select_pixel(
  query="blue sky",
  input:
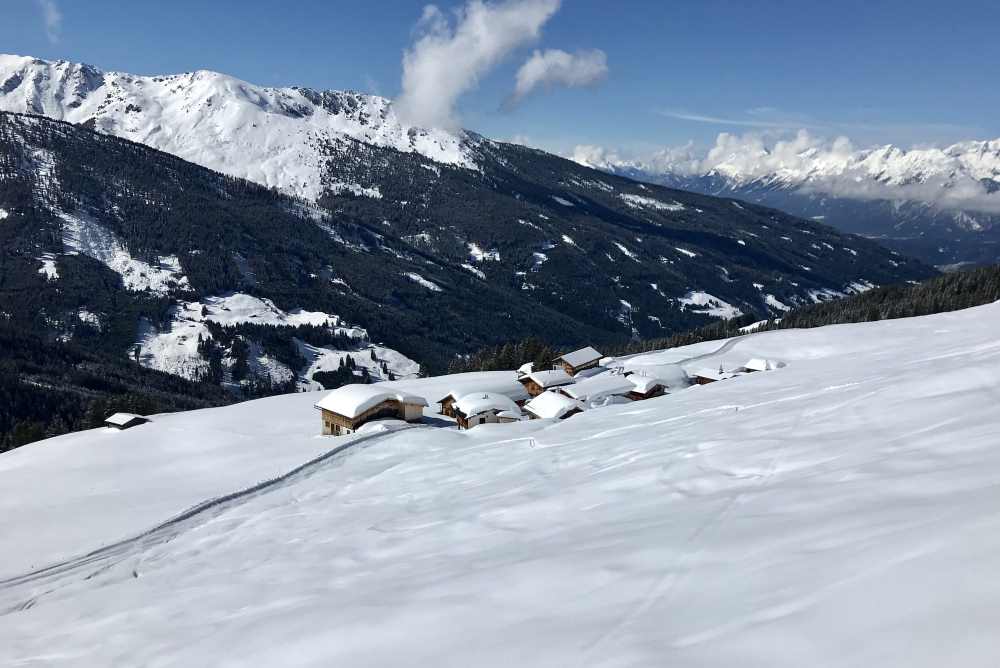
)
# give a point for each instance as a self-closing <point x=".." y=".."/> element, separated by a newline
<point x="906" y="72"/>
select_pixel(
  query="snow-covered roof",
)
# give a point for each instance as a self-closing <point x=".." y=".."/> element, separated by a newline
<point x="481" y="402"/>
<point x="581" y="356"/>
<point x="587" y="373"/>
<point x="550" y="378"/>
<point x="122" y="419"/>
<point x="598" y="387"/>
<point x="672" y="375"/>
<point x="610" y="363"/>
<point x="714" y="374"/>
<point x="353" y="400"/>
<point x="513" y="390"/>
<point x="525" y="368"/>
<point x="511" y="415"/>
<point x="552" y="405"/>
<point x="763" y="364"/>
<point x="644" y="384"/>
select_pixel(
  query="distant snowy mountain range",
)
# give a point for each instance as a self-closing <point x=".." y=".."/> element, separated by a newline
<point x="939" y="204"/>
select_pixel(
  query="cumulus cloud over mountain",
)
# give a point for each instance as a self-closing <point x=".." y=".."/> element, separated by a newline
<point x="449" y="57"/>
<point x="554" y="67"/>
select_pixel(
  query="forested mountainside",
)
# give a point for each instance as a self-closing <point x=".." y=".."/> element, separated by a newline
<point x="50" y="388"/>
<point x="445" y="260"/>
<point x="949" y="292"/>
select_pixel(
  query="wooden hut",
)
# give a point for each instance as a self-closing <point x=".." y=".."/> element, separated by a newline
<point x="706" y="376"/>
<point x="539" y="381"/>
<point x="124" y="421"/>
<point x="347" y="408"/>
<point x="578" y="360"/>
<point x="553" y="405"/>
<point x="645" y="387"/>
<point x="483" y="408"/>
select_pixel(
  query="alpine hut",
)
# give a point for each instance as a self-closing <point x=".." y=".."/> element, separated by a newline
<point x="507" y="386"/>
<point x="537" y="382"/>
<point x="552" y="405"/>
<point x="578" y="360"/>
<point x="124" y="421"/>
<point x="484" y="407"/>
<point x="706" y="376"/>
<point x="348" y="407"/>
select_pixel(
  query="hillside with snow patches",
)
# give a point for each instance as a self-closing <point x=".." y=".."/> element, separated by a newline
<point x="939" y="204"/>
<point x="389" y="228"/>
<point x="838" y="511"/>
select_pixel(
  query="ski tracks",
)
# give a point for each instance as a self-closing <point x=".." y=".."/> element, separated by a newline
<point x="21" y="592"/>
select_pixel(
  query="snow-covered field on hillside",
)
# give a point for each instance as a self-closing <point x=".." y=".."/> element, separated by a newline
<point x="841" y="511"/>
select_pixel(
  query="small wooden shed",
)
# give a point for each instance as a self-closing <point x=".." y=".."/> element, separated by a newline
<point x="124" y="421"/>
<point x="539" y="381"/>
<point x="483" y="408"/>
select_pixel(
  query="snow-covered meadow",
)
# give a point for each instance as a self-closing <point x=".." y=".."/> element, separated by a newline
<point x="840" y="511"/>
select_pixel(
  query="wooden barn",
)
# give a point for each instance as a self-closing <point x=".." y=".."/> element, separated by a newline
<point x="124" y="421"/>
<point x="484" y="407"/>
<point x="578" y="360"/>
<point x="706" y="376"/>
<point x="645" y="387"/>
<point x="537" y="382"/>
<point x="511" y="389"/>
<point x="552" y="405"/>
<point x="347" y="408"/>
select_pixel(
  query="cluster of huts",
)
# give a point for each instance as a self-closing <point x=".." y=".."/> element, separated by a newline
<point x="578" y="381"/>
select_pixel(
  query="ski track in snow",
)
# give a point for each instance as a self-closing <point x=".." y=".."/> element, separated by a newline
<point x="102" y="560"/>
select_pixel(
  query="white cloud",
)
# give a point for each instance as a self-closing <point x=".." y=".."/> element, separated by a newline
<point x="555" y="67"/>
<point x="448" y="58"/>
<point x="52" y="18"/>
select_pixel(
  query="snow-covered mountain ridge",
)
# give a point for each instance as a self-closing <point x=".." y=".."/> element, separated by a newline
<point x="278" y="137"/>
<point x="838" y="511"/>
<point x="833" y="167"/>
<point x="939" y="204"/>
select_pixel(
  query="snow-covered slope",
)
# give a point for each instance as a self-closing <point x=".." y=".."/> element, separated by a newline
<point x="839" y="511"/>
<point x="279" y="137"/>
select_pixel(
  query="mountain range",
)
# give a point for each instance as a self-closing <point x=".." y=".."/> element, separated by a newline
<point x="209" y="227"/>
<point x="941" y="205"/>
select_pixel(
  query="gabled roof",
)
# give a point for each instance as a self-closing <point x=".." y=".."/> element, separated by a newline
<point x="353" y="400"/>
<point x="526" y="368"/>
<point x="644" y="384"/>
<point x="512" y="389"/>
<point x="581" y="356"/>
<point x="551" y="378"/>
<point x="713" y="374"/>
<point x="671" y="375"/>
<point x="600" y="386"/>
<point x="552" y="405"/>
<point x="122" y="419"/>
<point x="481" y="402"/>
